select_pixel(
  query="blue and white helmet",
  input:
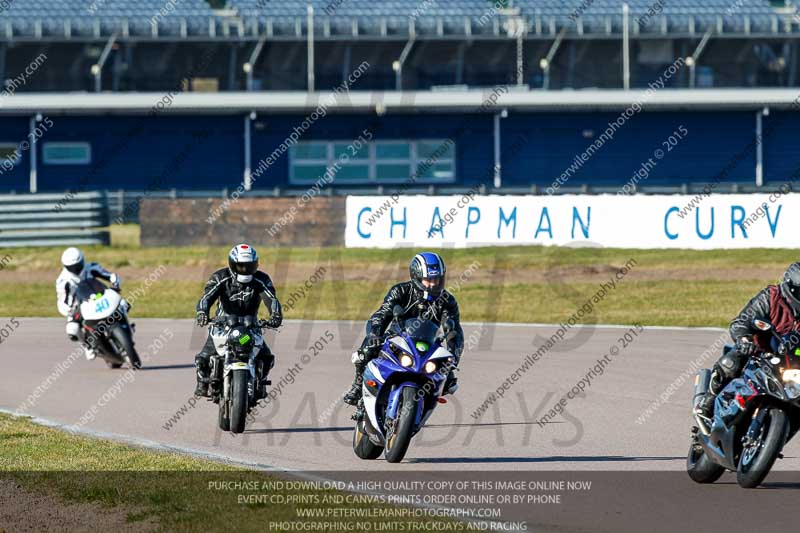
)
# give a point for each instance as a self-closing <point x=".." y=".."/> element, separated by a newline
<point x="243" y="262"/>
<point x="427" y="273"/>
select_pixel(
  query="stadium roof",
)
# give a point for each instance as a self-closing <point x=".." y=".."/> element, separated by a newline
<point x="480" y="101"/>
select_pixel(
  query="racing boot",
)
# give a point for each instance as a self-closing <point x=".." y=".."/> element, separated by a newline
<point x="202" y="379"/>
<point x="705" y="407"/>
<point x="359" y="413"/>
<point x="264" y="381"/>
<point x="450" y="384"/>
<point x="353" y="396"/>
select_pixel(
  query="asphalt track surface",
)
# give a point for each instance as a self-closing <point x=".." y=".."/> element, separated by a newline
<point x="308" y="428"/>
<point x="634" y="460"/>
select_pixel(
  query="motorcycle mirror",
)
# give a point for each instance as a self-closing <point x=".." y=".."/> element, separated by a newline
<point x="397" y="311"/>
<point x="763" y="325"/>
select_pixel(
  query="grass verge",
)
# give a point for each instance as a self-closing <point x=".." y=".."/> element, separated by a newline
<point x="177" y="492"/>
<point x="668" y="303"/>
<point x="508" y="284"/>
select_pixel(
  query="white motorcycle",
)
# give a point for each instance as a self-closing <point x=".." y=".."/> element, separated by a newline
<point x="106" y="328"/>
<point x="234" y="368"/>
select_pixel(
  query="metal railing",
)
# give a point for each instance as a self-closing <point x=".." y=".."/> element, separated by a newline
<point x="31" y="220"/>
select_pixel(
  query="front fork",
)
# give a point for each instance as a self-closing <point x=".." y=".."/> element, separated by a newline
<point x="754" y="430"/>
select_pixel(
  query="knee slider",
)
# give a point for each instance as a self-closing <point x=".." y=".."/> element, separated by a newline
<point x="729" y="365"/>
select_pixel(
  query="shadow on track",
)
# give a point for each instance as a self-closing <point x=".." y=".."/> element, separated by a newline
<point x="299" y="430"/>
<point x="166" y="367"/>
<point x="488" y="424"/>
<point x="551" y="459"/>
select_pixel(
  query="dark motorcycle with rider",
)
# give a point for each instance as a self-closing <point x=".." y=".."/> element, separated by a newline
<point x="748" y="406"/>
<point x="234" y="364"/>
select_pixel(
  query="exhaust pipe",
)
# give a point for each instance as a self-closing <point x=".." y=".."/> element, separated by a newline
<point x="701" y="383"/>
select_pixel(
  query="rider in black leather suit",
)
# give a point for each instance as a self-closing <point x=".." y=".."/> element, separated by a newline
<point x="423" y="296"/>
<point x="239" y="289"/>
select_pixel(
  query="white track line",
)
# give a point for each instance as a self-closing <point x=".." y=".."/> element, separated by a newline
<point x="155" y="446"/>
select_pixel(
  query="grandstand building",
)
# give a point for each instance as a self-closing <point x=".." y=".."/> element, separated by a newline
<point x="540" y="96"/>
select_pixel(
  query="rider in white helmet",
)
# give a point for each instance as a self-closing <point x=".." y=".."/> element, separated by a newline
<point x="75" y="269"/>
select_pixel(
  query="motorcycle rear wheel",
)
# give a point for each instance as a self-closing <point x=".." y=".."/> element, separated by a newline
<point x="757" y="460"/>
<point x="362" y="446"/>
<point x="700" y="468"/>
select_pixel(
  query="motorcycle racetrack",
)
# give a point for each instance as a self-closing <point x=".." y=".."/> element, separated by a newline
<point x="623" y="394"/>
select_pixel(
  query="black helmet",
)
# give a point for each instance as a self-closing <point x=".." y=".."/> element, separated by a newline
<point x="790" y="287"/>
<point x="243" y="262"/>
<point x="430" y="267"/>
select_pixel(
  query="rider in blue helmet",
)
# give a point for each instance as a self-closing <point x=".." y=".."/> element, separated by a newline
<point x="423" y="296"/>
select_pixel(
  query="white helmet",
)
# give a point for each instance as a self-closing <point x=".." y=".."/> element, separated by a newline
<point x="72" y="259"/>
<point x="243" y="262"/>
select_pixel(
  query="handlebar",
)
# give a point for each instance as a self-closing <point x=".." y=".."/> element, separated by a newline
<point x="247" y="321"/>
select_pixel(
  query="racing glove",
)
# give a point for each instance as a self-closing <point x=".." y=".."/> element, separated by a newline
<point x="202" y="318"/>
<point x="116" y="282"/>
<point x="373" y="341"/>
<point x="274" y="321"/>
<point x="746" y="346"/>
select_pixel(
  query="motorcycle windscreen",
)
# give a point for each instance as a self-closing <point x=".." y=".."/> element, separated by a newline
<point x="87" y="287"/>
<point x="421" y="330"/>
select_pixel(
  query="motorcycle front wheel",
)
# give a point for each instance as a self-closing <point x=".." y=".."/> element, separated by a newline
<point x="758" y="457"/>
<point x="239" y="396"/>
<point x="124" y="342"/>
<point x="399" y="437"/>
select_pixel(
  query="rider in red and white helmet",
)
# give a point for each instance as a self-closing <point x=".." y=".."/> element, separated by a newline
<point x="237" y="290"/>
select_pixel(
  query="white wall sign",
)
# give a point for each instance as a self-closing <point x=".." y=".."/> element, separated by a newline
<point x="663" y="221"/>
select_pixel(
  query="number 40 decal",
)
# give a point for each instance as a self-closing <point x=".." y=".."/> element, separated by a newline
<point x="101" y="305"/>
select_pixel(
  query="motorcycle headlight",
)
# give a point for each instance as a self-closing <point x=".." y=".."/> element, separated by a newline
<point x="791" y="375"/>
<point x="430" y="367"/>
<point x="791" y="382"/>
<point x="406" y="360"/>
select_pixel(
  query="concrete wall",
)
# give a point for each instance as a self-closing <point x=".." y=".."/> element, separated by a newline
<point x="185" y="222"/>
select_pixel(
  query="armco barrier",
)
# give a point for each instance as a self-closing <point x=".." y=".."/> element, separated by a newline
<point x="260" y="221"/>
<point x="31" y="220"/>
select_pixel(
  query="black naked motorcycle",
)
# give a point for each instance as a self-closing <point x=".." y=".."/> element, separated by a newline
<point x="755" y="415"/>
<point x="234" y="368"/>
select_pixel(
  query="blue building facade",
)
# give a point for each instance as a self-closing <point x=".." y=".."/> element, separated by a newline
<point x="207" y="152"/>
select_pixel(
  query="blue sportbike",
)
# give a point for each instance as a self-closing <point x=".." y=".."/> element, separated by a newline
<point x="402" y="386"/>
